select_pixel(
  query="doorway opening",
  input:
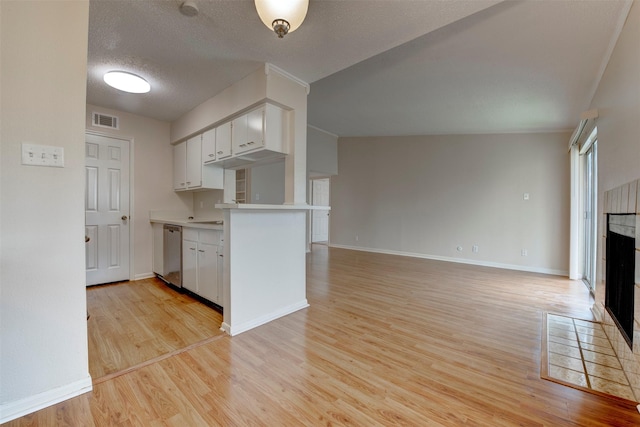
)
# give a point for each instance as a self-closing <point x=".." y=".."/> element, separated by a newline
<point x="320" y="196"/>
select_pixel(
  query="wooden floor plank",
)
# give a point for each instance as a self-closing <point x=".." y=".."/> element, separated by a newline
<point x="132" y="322"/>
<point x="387" y="340"/>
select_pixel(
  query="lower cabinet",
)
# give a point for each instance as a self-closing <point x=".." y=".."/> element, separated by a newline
<point x="200" y="263"/>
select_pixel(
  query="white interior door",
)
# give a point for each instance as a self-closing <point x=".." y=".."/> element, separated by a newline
<point x="107" y="209"/>
<point x="320" y="218"/>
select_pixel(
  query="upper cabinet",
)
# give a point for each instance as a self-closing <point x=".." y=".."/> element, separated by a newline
<point x="209" y="146"/>
<point x="194" y="162"/>
<point x="189" y="171"/>
<point x="180" y="166"/>
<point x="248" y="131"/>
<point x="256" y="137"/>
<point x="223" y="141"/>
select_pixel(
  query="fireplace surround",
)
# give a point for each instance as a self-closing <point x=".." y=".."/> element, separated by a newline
<point x="620" y="269"/>
<point x="622" y="205"/>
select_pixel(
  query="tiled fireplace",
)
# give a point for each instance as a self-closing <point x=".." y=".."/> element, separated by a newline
<point x="622" y="200"/>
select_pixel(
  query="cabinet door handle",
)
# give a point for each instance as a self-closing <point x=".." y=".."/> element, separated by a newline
<point x="219" y="152"/>
<point x="200" y="250"/>
<point x="192" y="249"/>
<point x="251" y="142"/>
<point x="211" y="155"/>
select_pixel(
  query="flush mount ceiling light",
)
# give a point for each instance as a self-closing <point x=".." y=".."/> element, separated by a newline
<point x="126" y="82"/>
<point x="283" y="16"/>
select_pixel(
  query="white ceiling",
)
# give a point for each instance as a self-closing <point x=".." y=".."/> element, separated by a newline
<point x="392" y="67"/>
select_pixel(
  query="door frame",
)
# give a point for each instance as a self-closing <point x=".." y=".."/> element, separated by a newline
<point x="130" y="141"/>
<point x="310" y="212"/>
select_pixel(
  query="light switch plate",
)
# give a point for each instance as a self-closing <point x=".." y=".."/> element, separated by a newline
<point x="42" y="155"/>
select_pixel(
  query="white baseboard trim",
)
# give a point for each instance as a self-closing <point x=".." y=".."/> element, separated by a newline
<point x="457" y="260"/>
<point x="143" y="276"/>
<point x="238" y="329"/>
<point x="12" y="410"/>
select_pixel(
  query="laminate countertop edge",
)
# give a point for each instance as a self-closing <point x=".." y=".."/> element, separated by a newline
<point x="187" y="223"/>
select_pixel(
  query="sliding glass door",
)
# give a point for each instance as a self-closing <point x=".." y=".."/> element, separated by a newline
<point x="590" y="192"/>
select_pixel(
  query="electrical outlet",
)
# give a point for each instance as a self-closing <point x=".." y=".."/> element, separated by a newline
<point x="524" y="252"/>
<point x="525" y="196"/>
<point x="356" y="237"/>
<point x="475" y="249"/>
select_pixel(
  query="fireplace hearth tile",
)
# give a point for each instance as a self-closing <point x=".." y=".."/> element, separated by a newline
<point x="611" y="374"/>
<point x="610" y="387"/>
<point x="566" y="362"/>
<point x="598" y="333"/>
<point x="590" y="339"/>
<point x="604" y="350"/>
<point x="564" y="341"/>
<point x="601" y="358"/>
<point x="564" y="350"/>
<point x="567" y="358"/>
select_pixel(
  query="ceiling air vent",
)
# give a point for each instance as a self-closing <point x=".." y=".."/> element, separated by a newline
<point x="105" y="121"/>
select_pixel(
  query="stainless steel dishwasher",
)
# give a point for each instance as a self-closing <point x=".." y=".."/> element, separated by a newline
<point x="172" y="268"/>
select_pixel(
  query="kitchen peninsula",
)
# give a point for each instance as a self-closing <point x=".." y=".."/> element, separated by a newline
<point x="264" y="266"/>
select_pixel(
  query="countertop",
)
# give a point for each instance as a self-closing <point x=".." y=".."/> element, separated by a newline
<point x="248" y="206"/>
<point x="203" y="224"/>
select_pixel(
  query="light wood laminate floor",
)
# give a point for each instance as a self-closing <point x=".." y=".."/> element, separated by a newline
<point x="386" y="341"/>
<point x="133" y="322"/>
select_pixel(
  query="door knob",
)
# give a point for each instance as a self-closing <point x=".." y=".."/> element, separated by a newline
<point x="124" y="218"/>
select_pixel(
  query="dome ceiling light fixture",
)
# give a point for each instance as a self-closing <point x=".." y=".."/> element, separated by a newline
<point x="283" y="16"/>
<point x="189" y="8"/>
<point x="126" y="82"/>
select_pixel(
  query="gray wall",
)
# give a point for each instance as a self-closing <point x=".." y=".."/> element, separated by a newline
<point x="267" y="184"/>
<point x="427" y="195"/>
<point x="322" y="153"/>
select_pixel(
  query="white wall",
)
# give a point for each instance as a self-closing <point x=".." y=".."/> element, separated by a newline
<point x="618" y="102"/>
<point x="426" y="195"/>
<point x="152" y="183"/>
<point x="43" y="348"/>
<point x="322" y="153"/>
<point x="204" y="204"/>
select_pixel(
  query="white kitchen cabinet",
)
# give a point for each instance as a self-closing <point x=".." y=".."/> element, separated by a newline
<point x="194" y="162"/>
<point x="208" y="271"/>
<point x="209" y="146"/>
<point x="200" y="263"/>
<point x="189" y="172"/>
<point x="180" y="166"/>
<point x="190" y="265"/>
<point x="223" y="141"/>
<point x="249" y="131"/>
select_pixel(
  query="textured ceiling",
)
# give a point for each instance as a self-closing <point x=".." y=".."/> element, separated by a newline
<point x="392" y="67"/>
